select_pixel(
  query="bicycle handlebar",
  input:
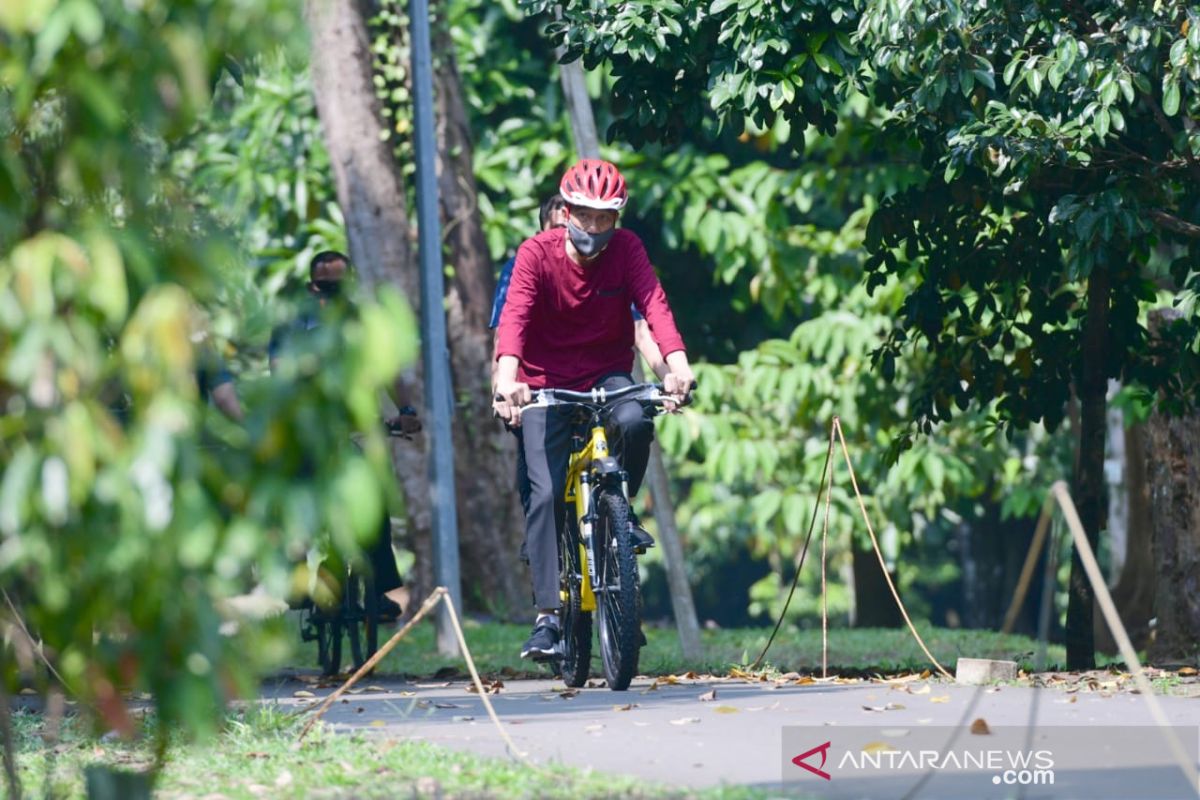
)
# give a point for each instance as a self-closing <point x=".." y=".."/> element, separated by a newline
<point x="644" y="392"/>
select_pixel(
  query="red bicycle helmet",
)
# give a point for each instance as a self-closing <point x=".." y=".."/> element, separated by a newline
<point x="593" y="183"/>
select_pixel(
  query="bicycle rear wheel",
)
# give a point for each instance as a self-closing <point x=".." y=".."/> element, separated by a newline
<point x="360" y="612"/>
<point x="617" y="591"/>
<point x="576" y="624"/>
<point x="329" y="641"/>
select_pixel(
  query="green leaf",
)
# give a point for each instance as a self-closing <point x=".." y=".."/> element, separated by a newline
<point x="1034" y="79"/>
<point x="720" y="5"/>
<point x="1011" y="70"/>
<point x="1179" y="53"/>
<point x="1109" y="93"/>
<point x="1066" y="51"/>
<point x="1055" y="76"/>
<point x="1170" y="104"/>
<point x="1102" y="123"/>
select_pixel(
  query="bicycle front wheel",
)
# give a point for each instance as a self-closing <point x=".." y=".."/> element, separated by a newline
<point x="576" y="623"/>
<point x="618" y="597"/>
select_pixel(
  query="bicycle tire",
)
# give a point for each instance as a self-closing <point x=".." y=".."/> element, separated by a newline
<point x="617" y="592"/>
<point x="576" y="624"/>
<point x="329" y="644"/>
<point x="361" y="614"/>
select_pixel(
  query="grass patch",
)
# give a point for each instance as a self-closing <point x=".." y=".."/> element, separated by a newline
<point x="495" y="648"/>
<point x="255" y="756"/>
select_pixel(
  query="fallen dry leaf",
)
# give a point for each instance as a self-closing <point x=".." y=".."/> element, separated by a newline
<point x="462" y="719"/>
<point x="725" y="710"/>
<point x="302" y="693"/>
<point x="877" y="747"/>
<point x="941" y="698"/>
<point x="567" y="694"/>
<point x="626" y="707"/>
<point x="685" y="721"/>
<point x="804" y="681"/>
<point x="1185" y="671"/>
<point x="447" y="705"/>
<point x="426" y="686"/>
<point x="377" y="723"/>
<point x="888" y="707"/>
<point x="491" y="687"/>
<point x="599" y="684"/>
<point x="258" y="754"/>
<point x="980" y="727"/>
<point x="708" y="696"/>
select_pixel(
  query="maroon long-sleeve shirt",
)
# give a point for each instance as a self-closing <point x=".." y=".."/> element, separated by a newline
<point x="569" y="324"/>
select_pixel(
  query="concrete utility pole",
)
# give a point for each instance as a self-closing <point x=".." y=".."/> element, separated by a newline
<point x="438" y="395"/>
<point x="587" y="145"/>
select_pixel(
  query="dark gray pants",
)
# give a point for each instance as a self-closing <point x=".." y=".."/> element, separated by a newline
<point x="546" y="443"/>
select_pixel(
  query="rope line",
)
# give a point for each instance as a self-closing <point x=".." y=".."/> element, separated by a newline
<point x="803" y="552"/>
<point x="837" y="424"/>
<point x="440" y="594"/>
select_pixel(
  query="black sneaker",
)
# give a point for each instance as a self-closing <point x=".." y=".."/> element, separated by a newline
<point x="543" y="641"/>
<point x="389" y="609"/>
<point x="641" y="537"/>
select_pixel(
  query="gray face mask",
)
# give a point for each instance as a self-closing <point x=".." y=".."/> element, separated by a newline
<point x="589" y="244"/>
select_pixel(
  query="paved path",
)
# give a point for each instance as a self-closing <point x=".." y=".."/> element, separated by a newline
<point x="667" y="733"/>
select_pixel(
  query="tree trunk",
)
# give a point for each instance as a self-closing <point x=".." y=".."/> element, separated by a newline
<point x="1089" y="477"/>
<point x="1173" y="469"/>
<point x="370" y="191"/>
<point x="491" y="525"/>
<point x="874" y="605"/>
<point x="1133" y="593"/>
<point x="371" y="194"/>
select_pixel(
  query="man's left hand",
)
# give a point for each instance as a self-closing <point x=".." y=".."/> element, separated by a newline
<point x="678" y="384"/>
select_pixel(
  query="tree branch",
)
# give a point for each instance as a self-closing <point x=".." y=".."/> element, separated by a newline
<point x="1164" y="125"/>
<point x="1174" y="224"/>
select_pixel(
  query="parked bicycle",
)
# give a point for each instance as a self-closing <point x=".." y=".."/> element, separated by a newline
<point x="356" y="613"/>
<point x="597" y="558"/>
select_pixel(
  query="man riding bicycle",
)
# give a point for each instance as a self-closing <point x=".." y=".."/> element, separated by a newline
<point x="567" y="324"/>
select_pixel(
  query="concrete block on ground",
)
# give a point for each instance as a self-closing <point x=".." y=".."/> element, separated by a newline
<point x="975" y="671"/>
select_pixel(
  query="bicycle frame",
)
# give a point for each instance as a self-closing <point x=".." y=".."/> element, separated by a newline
<point x="579" y="499"/>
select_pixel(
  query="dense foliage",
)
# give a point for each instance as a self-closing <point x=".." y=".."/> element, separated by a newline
<point x="125" y="518"/>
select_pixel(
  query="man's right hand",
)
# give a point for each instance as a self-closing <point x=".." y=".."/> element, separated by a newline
<point x="509" y="396"/>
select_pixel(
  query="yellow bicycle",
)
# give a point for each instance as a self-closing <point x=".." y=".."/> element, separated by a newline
<point x="597" y="560"/>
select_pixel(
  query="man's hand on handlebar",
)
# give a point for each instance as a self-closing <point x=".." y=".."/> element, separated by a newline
<point x="406" y="423"/>
<point x="678" y="384"/>
<point x="507" y="401"/>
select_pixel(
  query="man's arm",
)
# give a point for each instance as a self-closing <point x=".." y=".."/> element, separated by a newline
<point x="651" y="301"/>
<point x="648" y="348"/>
<point x="508" y="392"/>
<point x="225" y="398"/>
